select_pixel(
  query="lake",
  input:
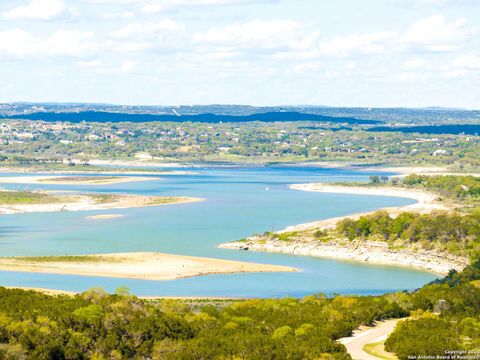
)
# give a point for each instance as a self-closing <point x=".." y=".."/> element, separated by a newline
<point x="237" y="205"/>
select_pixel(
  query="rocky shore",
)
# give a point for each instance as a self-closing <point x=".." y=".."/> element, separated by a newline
<point x="372" y="252"/>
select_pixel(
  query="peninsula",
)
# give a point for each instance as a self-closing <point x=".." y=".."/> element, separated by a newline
<point x="321" y="238"/>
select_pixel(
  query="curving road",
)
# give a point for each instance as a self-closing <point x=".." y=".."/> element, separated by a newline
<point x="367" y="335"/>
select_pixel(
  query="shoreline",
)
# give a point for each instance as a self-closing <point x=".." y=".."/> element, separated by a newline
<point x="89" y="202"/>
<point x="426" y="202"/>
<point x="135" y="265"/>
<point x="368" y="252"/>
<point x="371" y="252"/>
<point x="65" y="180"/>
<point x="93" y="170"/>
<point x="57" y="292"/>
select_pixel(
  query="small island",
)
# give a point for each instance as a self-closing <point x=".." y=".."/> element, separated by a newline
<point x="13" y="202"/>
<point x="74" y="180"/>
<point x="138" y="265"/>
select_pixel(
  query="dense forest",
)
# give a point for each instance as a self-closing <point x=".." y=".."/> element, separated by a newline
<point x="451" y="232"/>
<point x="456" y="232"/>
<point x="95" y="325"/>
<point x="452" y="186"/>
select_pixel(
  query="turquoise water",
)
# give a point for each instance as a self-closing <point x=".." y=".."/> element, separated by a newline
<point x="237" y="205"/>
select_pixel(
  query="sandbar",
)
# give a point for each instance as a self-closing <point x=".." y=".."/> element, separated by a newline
<point x="135" y="265"/>
<point x="87" y="202"/>
<point x="73" y="180"/>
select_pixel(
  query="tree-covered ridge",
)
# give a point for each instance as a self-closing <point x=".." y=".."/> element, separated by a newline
<point x="95" y="325"/>
<point x="99" y="326"/>
<point x="447" y="185"/>
<point x="451" y="232"/>
<point x="116" y="117"/>
<point x="471" y="129"/>
<point x="445" y="316"/>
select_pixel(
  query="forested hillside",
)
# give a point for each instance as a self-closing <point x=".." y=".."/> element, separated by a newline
<point x="94" y="325"/>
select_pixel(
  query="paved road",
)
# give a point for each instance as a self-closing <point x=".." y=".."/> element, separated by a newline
<point x="367" y="335"/>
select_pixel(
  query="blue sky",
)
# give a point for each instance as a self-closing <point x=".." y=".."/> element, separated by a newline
<point x="410" y="53"/>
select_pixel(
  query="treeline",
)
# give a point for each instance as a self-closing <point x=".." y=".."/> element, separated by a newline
<point x="444" y="317"/>
<point x="117" y="117"/>
<point x="446" y="231"/>
<point x="95" y="325"/>
<point x="470" y="129"/>
<point x="447" y="185"/>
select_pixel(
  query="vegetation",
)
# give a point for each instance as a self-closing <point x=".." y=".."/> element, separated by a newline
<point x="462" y="187"/>
<point x="159" y="200"/>
<point x="87" y="179"/>
<point x="378" y="349"/>
<point x="448" y="320"/>
<point x="64" y="258"/>
<point x="35" y="198"/>
<point x="95" y="325"/>
<point x="61" y="145"/>
<point x="26" y="197"/>
<point x="443" y="231"/>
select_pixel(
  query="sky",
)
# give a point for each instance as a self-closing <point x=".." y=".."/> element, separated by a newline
<point x="370" y="53"/>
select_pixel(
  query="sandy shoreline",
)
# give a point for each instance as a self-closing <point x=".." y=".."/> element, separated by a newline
<point x="55" y="292"/>
<point x="74" y="180"/>
<point x="426" y="202"/>
<point x="141" y="265"/>
<point x="376" y="252"/>
<point x="138" y="162"/>
<point x="403" y="171"/>
<point x="90" y="202"/>
<point x="93" y="170"/>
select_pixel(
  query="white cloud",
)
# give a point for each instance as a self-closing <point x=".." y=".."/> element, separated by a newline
<point x="147" y="29"/>
<point x="38" y="10"/>
<point x="18" y="44"/>
<point x="127" y="66"/>
<point x="435" y="33"/>
<point x="118" y="15"/>
<point x="156" y="6"/>
<point x="469" y="61"/>
<point x="68" y="43"/>
<point x="89" y="64"/>
<point x="414" y="64"/>
<point x="307" y="67"/>
<point x="98" y="67"/>
<point x="357" y="44"/>
<point x="273" y="34"/>
<point x="433" y="3"/>
<point x="134" y="47"/>
<point x="138" y="37"/>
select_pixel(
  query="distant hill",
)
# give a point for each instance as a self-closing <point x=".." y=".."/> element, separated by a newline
<point x="115" y="117"/>
<point x="469" y="129"/>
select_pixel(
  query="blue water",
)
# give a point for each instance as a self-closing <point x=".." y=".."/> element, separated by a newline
<point x="237" y="205"/>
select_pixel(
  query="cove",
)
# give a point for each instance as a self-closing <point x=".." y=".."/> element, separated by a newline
<point x="237" y="205"/>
